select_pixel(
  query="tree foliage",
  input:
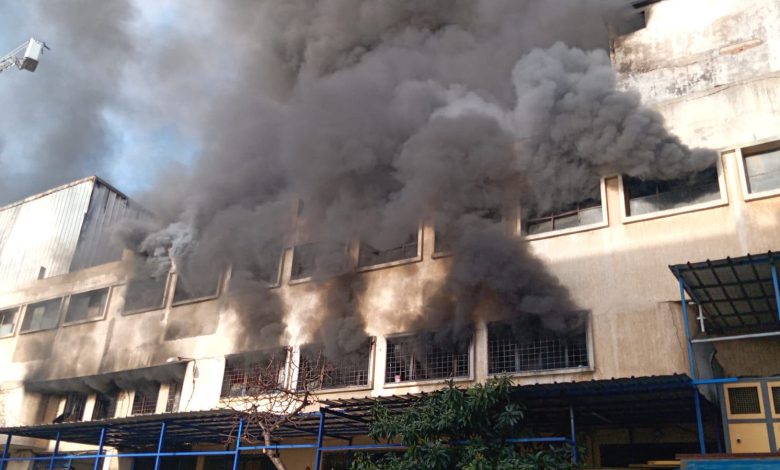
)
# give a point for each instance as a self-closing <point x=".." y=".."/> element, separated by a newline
<point x="457" y="428"/>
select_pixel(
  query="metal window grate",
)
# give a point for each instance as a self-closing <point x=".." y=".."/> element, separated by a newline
<point x="409" y="359"/>
<point x="105" y="406"/>
<point x="145" y="400"/>
<point x="174" y="396"/>
<point x="744" y="400"/>
<point x="317" y="372"/>
<point x="248" y="376"/>
<point x="507" y="355"/>
<point x="776" y="399"/>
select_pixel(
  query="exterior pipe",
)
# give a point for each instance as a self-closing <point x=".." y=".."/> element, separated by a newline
<point x="159" y="446"/>
<point x="54" y="454"/>
<point x="237" y="454"/>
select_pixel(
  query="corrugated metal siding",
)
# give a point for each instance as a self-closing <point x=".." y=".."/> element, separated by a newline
<point x="97" y="243"/>
<point x="42" y="232"/>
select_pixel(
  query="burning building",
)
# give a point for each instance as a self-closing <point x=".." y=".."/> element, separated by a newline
<point x="415" y="219"/>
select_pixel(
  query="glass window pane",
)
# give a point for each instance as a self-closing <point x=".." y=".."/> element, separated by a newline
<point x="763" y="171"/>
<point x="42" y="316"/>
<point x="647" y="196"/>
<point x="585" y="212"/>
<point x="87" y="305"/>
<point x="8" y="321"/>
<point x="194" y="287"/>
<point x="145" y="294"/>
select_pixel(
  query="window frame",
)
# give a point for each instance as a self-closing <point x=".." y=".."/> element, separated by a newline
<point x="27" y="310"/>
<point x="163" y="303"/>
<point x="413" y="383"/>
<point x="218" y="292"/>
<point x="135" y="395"/>
<point x="283" y="373"/>
<point x="297" y="354"/>
<point x="739" y="153"/>
<point x="348" y="264"/>
<point x="103" y="313"/>
<point x="417" y="258"/>
<point x="723" y="200"/>
<point x="16" y="325"/>
<point x="566" y="231"/>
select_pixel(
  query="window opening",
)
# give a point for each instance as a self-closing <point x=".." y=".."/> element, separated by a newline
<point x="145" y="294"/>
<point x="75" y="403"/>
<point x="646" y="196"/>
<point x="744" y="400"/>
<point x="105" y="406"/>
<point x="191" y="288"/>
<point x="304" y="263"/>
<point x="410" y="358"/>
<point x="145" y="400"/>
<point x="776" y="399"/>
<point x="315" y="371"/>
<point x="87" y="305"/>
<point x="444" y="238"/>
<point x="174" y="397"/>
<point x="251" y="375"/>
<point x="579" y="214"/>
<point x="42" y="315"/>
<point x="370" y="256"/>
<point x="545" y="351"/>
<point x="762" y="169"/>
<point x="8" y="321"/>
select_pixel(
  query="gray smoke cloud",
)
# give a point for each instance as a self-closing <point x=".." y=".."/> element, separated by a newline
<point x="376" y="114"/>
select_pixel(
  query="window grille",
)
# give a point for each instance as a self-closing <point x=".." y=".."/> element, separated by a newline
<point x="744" y="400"/>
<point x="762" y="168"/>
<point x="252" y="375"/>
<point x="105" y="406"/>
<point x="317" y="372"/>
<point x="409" y="359"/>
<point x="87" y="305"/>
<point x="145" y="400"/>
<point x="8" y="321"/>
<point x="575" y="215"/>
<point x="174" y="397"/>
<point x="370" y="256"/>
<point x="776" y="399"/>
<point x="145" y="294"/>
<point x="506" y="354"/>
<point x="646" y="196"/>
<point x="42" y="315"/>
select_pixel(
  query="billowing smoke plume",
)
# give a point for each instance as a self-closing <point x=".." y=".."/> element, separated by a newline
<point x="371" y="115"/>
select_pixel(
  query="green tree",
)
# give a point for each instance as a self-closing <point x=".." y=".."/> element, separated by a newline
<point x="458" y="428"/>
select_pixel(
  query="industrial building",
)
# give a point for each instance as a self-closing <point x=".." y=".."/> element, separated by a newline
<point x="679" y="279"/>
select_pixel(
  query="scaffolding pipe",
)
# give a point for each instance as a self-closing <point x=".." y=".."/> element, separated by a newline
<point x="318" y="452"/>
<point x="159" y="446"/>
<point x="101" y="441"/>
<point x="6" y="452"/>
<point x="236" y="455"/>
<point x="56" y="449"/>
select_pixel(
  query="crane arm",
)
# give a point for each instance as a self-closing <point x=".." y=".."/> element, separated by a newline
<point x="24" y="57"/>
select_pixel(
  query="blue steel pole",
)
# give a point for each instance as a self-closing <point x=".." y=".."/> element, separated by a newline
<point x="54" y="454"/>
<point x="777" y="287"/>
<point x="318" y="454"/>
<point x="6" y="452"/>
<point x="699" y="421"/>
<point x="238" y="443"/>
<point x="102" y="440"/>
<point x="159" y="447"/>
<point x="692" y="364"/>
<point x="573" y="436"/>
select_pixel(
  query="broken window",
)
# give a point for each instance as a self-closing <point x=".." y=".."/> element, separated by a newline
<point x="42" y="315"/>
<point x="646" y="196"/>
<point x="196" y="287"/>
<point x="145" y="293"/>
<point x="174" y="397"/>
<point x="411" y="358"/>
<point x="87" y="305"/>
<point x="75" y="402"/>
<point x="543" y="351"/>
<point x="253" y="374"/>
<point x="762" y="168"/>
<point x="145" y="399"/>
<point x="315" y="371"/>
<point x="444" y="237"/>
<point x="304" y="262"/>
<point x="309" y="258"/>
<point x="585" y="212"/>
<point x="105" y="406"/>
<point x="8" y="321"/>
<point x="370" y="256"/>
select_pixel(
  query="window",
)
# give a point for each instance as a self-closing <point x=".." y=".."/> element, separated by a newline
<point x="586" y="212"/>
<point x="776" y="399"/>
<point x="410" y="358"/>
<point x="508" y="354"/>
<point x="251" y="375"/>
<point x="42" y="316"/>
<point x="744" y="400"/>
<point x="174" y="397"/>
<point x="317" y="372"/>
<point x="8" y="321"/>
<point x="145" y="294"/>
<point x="145" y="400"/>
<point x="444" y="238"/>
<point x="645" y="196"/>
<point x="190" y="288"/>
<point x="304" y="262"/>
<point x="370" y="256"/>
<point x="75" y="403"/>
<point x="87" y="305"/>
<point x="105" y="406"/>
<point x="762" y="168"/>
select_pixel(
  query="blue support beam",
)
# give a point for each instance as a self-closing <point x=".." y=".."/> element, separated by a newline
<point x="318" y="455"/>
<point x="160" y="443"/>
<point x="776" y="285"/>
<point x="691" y="362"/>
<point x="6" y="452"/>
<point x="54" y="454"/>
<point x="699" y="421"/>
<point x="101" y="441"/>
<point x="237" y="454"/>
